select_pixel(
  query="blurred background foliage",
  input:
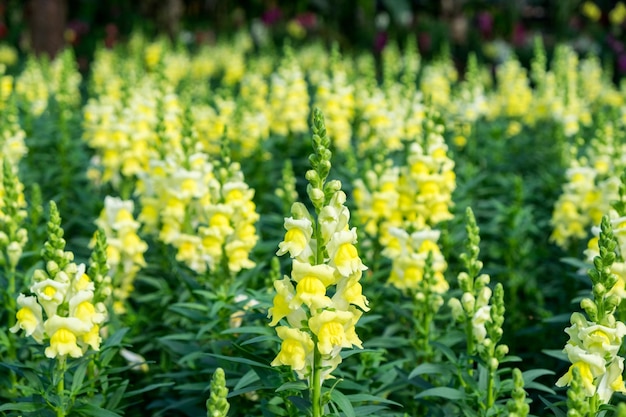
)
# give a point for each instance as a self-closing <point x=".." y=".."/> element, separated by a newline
<point x="493" y="29"/>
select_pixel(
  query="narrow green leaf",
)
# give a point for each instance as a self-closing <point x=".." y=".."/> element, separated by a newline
<point x="343" y="403"/>
<point x="27" y="407"/>
<point x="238" y="360"/>
<point x="118" y="394"/>
<point x="78" y="378"/>
<point x="535" y="373"/>
<point x="293" y="385"/>
<point x="246" y="380"/>
<point x="442" y="392"/>
<point x="150" y="387"/>
<point x="94" y="411"/>
<point x="429" y="369"/>
<point x="356" y="398"/>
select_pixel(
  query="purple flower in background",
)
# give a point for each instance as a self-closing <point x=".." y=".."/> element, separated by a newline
<point x="424" y="41"/>
<point x="485" y="24"/>
<point x="380" y="41"/>
<point x="519" y="35"/>
<point x="621" y="63"/>
<point x="307" y="20"/>
<point x="272" y="16"/>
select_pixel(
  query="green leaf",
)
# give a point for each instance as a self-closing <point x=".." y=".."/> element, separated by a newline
<point x="535" y="373"/>
<point x="249" y="330"/>
<point x="429" y="369"/>
<point x="442" y="392"/>
<point x="238" y="360"/>
<point x="117" y="395"/>
<point x="95" y="411"/>
<point x="356" y="398"/>
<point x="343" y="403"/>
<point x="21" y="407"/>
<point x="555" y="353"/>
<point x="78" y="378"/>
<point x="292" y="385"/>
<point x="148" y="388"/>
<point x="246" y="380"/>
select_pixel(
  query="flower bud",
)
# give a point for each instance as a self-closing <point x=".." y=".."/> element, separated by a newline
<point x="333" y="186"/>
<point x="456" y="308"/>
<point x="468" y="302"/>
<point x="483" y="296"/>
<point x="14" y="253"/>
<point x="589" y="306"/>
<point x="52" y="268"/>
<point x="501" y="351"/>
<point x="493" y="364"/>
<point x="311" y="176"/>
<point x="436" y="302"/>
<point x="22" y="236"/>
<point x="39" y="275"/>
<point x="482" y="280"/>
<point x="599" y="290"/>
<point x="463" y="279"/>
<point x="4" y="239"/>
<point x="62" y="277"/>
<point x="315" y="194"/>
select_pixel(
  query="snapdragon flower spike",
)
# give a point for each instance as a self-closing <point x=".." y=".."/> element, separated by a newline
<point x="61" y="309"/>
<point x="594" y="343"/>
<point x="124" y="250"/>
<point x="13" y="237"/>
<point x="322" y="300"/>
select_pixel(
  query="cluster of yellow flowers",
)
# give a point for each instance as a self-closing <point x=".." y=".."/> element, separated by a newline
<point x="289" y="98"/>
<point x="592" y="183"/>
<point x="400" y="206"/>
<point x="12" y="146"/>
<point x="319" y="299"/>
<point x="125" y="248"/>
<point x="335" y="97"/>
<point x="207" y="214"/>
<point x="61" y="309"/>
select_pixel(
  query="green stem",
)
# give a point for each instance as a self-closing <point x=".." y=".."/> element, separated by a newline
<point x="60" y="409"/>
<point x="469" y="335"/>
<point x="490" y="393"/>
<point x="11" y="307"/>
<point x="316" y="384"/>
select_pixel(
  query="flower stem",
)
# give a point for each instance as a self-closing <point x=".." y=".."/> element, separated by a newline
<point x="60" y="409"/>
<point x="490" y="396"/>
<point x="316" y="384"/>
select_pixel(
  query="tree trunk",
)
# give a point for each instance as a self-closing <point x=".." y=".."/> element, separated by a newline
<point x="47" y="20"/>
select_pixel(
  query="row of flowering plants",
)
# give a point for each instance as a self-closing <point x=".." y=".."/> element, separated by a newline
<point x="231" y="231"/>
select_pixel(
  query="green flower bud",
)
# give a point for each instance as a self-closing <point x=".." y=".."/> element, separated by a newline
<point x="52" y="267"/>
<point x="483" y="297"/>
<point x="482" y="280"/>
<point x="590" y="308"/>
<point x="217" y="404"/>
<point x="493" y="363"/>
<point x="39" y="275"/>
<point x="468" y="302"/>
<point x="14" y="253"/>
<point x="316" y="195"/>
<point x="501" y="351"/>
<point x="456" y="308"/>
